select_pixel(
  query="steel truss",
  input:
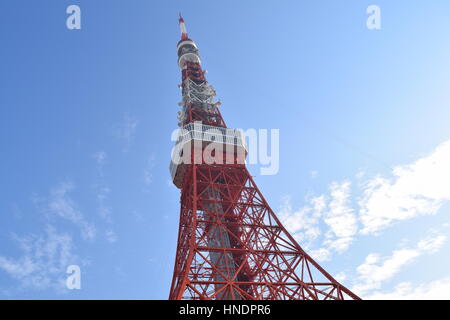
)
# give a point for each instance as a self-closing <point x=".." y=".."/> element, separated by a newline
<point x="261" y="259"/>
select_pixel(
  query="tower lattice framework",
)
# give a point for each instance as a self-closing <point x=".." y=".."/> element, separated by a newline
<point x="231" y="245"/>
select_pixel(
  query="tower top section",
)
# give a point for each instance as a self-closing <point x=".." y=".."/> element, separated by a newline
<point x="184" y="35"/>
<point x="187" y="49"/>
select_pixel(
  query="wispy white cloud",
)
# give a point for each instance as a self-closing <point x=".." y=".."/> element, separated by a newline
<point x="332" y="212"/>
<point x="420" y="188"/>
<point x="43" y="261"/>
<point x="127" y="131"/>
<point x="321" y="254"/>
<point x="341" y="277"/>
<point x="100" y="158"/>
<point x="111" y="236"/>
<point x="432" y="244"/>
<point x="377" y="270"/>
<point x="59" y="203"/>
<point x="340" y="218"/>
<point x="102" y="191"/>
<point x="435" y="290"/>
<point x="104" y="210"/>
<point x="303" y="223"/>
<point x="148" y="171"/>
<point x="416" y="189"/>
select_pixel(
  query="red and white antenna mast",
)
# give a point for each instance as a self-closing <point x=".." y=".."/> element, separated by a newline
<point x="184" y="35"/>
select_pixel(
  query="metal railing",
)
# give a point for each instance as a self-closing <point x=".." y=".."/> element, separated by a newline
<point x="204" y="133"/>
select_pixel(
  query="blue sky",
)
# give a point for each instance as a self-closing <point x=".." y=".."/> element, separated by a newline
<point x="86" y="117"/>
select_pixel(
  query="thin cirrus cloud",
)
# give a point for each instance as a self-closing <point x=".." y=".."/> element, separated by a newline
<point x="148" y="171"/>
<point x="332" y="212"/>
<point x="340" y="218"/>
<point x="303" y="224"/>
<point x="102" y="191"/>
<point x="60" y="204"/>
<point x="417" y="189"/>
<point x="111" y="236"/>
<point x="100" y="158"/>
<point x="44" y="260"/>
<point x="127" y="131"/>
<point x="46" y="255"/>
<point x="435" y="290"/>
<point x="376" y="270"/>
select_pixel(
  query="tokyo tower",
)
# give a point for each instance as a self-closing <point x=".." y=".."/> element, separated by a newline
<point x="231" y="245"/>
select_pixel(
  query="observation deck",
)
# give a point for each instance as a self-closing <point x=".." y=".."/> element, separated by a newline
<point x="226" y="144"/>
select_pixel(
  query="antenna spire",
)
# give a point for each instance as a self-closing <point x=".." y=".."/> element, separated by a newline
<point x="183" y="29"/>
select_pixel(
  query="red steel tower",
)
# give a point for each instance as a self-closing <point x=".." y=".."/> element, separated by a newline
<point x="231" y="244"/>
